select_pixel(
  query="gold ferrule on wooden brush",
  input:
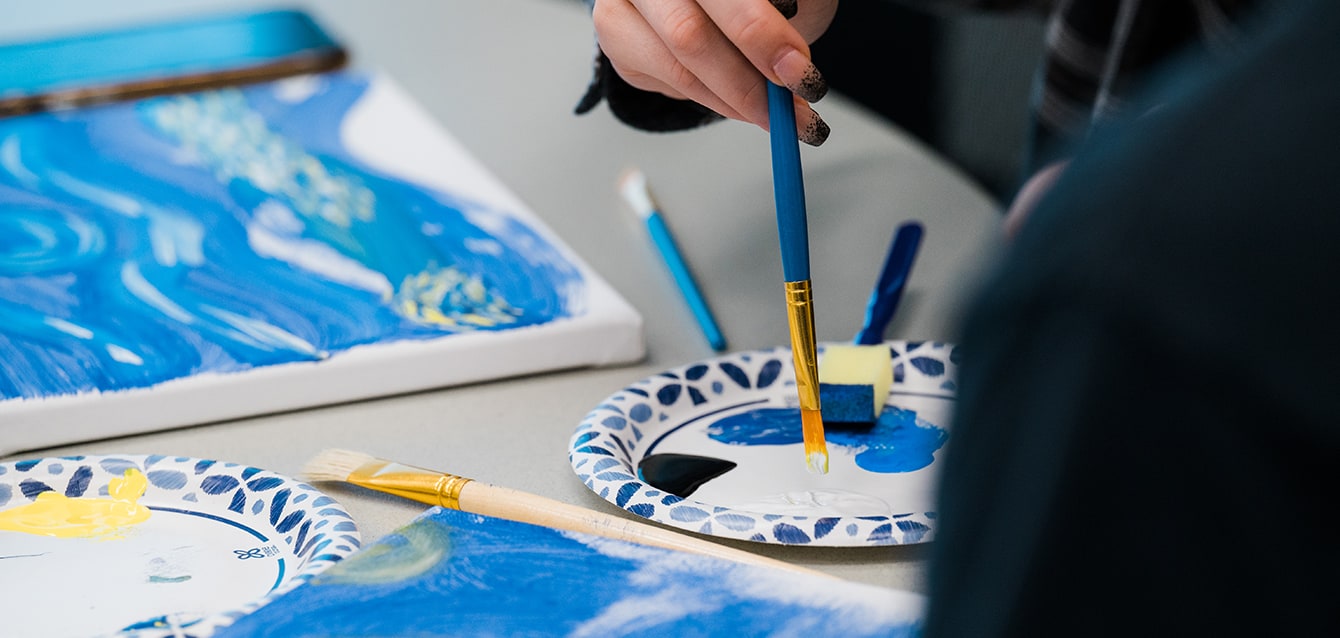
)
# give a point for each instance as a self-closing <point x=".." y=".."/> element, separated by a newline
<point x="800" y="317"/>
<point x="424" y="486"/>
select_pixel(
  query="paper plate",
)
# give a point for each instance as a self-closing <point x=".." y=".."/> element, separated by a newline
<point x="715" y="448"/>
<point x="221" y="540"/>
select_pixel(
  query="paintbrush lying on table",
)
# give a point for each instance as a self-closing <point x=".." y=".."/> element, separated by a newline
<point x="467" y="495"/>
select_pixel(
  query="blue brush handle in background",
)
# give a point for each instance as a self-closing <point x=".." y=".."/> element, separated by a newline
<point x="665" y="243"/>
<point x="788" y="186"/>
<point x="892" y="281"/>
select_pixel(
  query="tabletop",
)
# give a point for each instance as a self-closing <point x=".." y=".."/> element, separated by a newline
<point x="503" y="76"/>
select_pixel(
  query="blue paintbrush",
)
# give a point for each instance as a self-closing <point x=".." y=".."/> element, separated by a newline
<point x="789" y="193"/>
<point x="633" y="185"/>
<point x="892" y="280"/>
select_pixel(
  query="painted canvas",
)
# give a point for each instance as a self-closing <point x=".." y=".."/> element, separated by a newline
<point x="204" y="256"/>
<point x="450" y="573"/>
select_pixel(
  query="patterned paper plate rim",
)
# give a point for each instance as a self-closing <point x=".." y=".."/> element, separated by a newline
<point x="613" y="438"/>
<point x="303" y="526"/>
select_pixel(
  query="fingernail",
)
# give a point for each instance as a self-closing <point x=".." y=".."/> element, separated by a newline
<point x="800" y="75"/>
<point x="787" y="7"/>
<point x="812" y="129"/>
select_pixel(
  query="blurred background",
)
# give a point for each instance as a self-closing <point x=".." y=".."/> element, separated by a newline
<point x="959" y="81"/>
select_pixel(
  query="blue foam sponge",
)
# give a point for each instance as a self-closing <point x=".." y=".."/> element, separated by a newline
<point x="854" y="382"/>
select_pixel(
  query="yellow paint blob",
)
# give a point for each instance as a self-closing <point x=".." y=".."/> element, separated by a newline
<point x="53" y="514"/>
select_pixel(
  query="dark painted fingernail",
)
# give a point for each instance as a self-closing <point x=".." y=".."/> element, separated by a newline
<point x="801" y="76"/>
<point x="813" y="130"/>
<point x="789" y="8"/>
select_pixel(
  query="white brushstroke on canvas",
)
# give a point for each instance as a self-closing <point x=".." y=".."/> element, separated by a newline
<point x="72" y="329"/>
<point x="11" y="158"/>
<point x="265" y="334"/>
<point x="484" y="246"/>
<point x="271" y="235"/>
<point x="863" y="605"/>
<point x="298" y="89"/>
<point x="146" y="292"/>
<point x="98" y="195"/>
<point x="176" y="238"/>
<point x="123" y="355"/>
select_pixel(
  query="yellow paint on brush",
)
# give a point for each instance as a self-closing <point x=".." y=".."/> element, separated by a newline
<point x="57" y="515"/>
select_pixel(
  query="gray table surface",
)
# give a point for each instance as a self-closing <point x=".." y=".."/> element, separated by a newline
<point x="503" y="76"/>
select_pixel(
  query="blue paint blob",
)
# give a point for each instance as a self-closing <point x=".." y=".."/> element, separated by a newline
<point x="898" y="442"/>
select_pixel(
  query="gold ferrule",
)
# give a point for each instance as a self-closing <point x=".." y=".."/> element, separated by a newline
<point x="424" y="486"/>
<point x="800" y="317"/>
<point x="449" y="490"/>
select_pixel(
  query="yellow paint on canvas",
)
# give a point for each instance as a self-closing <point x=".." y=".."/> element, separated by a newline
<point x="52" y="514"/>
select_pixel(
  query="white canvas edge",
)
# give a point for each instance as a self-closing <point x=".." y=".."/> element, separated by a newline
<point x="397" y="136"/>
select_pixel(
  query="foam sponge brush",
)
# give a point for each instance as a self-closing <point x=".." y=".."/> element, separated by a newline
<point x="854" y="379"/>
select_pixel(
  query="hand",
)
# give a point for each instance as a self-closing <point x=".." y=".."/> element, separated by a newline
<point x="1030" y="194"/>
<point x="719" y="53"/>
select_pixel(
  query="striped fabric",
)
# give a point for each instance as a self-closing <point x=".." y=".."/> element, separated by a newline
<point x="1099" y="51"/>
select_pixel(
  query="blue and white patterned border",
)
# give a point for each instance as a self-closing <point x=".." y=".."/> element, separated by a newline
<point x="608" y="443"/>
<point x="313" y="528"/>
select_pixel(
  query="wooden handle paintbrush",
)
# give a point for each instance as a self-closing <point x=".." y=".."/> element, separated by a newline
<point x="789" y="192"/>
<point x="466" y="495"/>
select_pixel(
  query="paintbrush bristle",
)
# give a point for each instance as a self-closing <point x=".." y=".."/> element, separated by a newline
<point x="335" y="465"/>
<point x="816" y="448"/>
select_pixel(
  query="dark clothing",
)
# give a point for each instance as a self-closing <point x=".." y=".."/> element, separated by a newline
<point x="1149" y="413"/>
<point x="1097" y="50"/>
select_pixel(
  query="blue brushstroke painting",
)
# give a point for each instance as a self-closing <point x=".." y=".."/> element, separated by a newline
<point x="453" y="573"/>
<point x="898" y="441"/>
<point x="222" y="231"/>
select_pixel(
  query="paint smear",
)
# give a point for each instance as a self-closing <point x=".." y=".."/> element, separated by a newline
<point x="53" y="514"/>
<point x="898" y="442"/>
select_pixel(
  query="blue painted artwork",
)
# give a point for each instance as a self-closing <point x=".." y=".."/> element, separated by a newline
<point x="451" y="573"/>
<point x="223" y="231"/>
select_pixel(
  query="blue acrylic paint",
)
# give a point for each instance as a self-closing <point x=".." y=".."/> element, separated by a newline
<point x="452" y="572"/>
<point x="898" y="442"/>
<point x="222" y="231"/>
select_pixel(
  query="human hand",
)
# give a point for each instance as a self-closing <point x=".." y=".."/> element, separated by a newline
<point x="720" y="53"/>
<point x="1030" y="194"/>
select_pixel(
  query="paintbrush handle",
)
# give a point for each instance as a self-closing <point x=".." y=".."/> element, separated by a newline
<point x="788" y="185"/>
<point x="892" y="281"/>
<point x="501" y="502"/>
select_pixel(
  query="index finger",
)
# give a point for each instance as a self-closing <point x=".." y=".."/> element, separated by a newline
<point x="763" y="35"/>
